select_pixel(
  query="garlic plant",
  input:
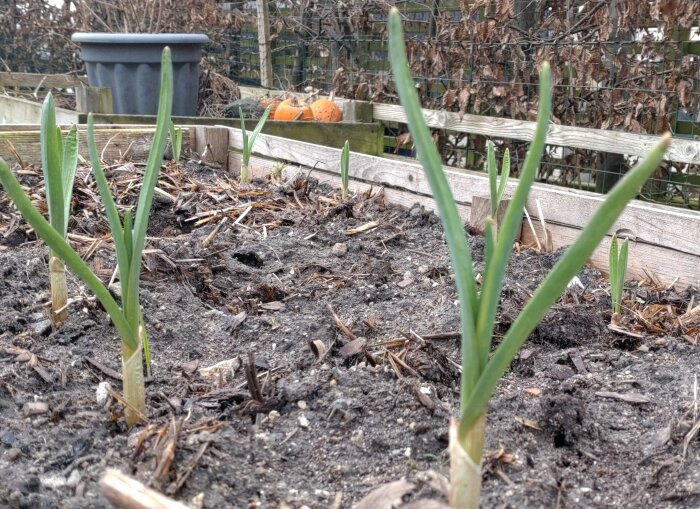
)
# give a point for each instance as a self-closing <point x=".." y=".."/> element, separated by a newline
<point x="59" y="161"/>
<point x="129" y="237"/>
<point x="249" y="141"/>
<point x="618" y="269"/>
<point x="345" y="170"/>
<point x="481" y="369"/>
<point x="497" y="189"/>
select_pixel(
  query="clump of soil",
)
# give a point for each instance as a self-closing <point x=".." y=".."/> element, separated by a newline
<point x="254" y="277"/>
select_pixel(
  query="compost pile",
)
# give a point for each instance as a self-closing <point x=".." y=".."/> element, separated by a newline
<point x="306" y="351"/>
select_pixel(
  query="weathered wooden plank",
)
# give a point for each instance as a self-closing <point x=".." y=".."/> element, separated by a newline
<point x="94" y="100"/>
<point x="669" y="265"/>
<point x="113" y="144"/>
<point x="14" y="110"/>
<point x="652" y="224"/>
<point x="32" y="80"/>
<point x="616" y="142"/>
<point x="212" y="144"/>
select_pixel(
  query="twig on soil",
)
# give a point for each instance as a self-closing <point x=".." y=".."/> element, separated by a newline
<point x="252" y="379"/>
<point x="341" y="326"/>
<point x="104" y="369"/>
<point x="363" y="228"/>
<point x="532" y="229"/>
<point x="173" y="489"/>
<point x="124" y="402"/>
<point x="214" y="232"/>
<point x="167" y="455"/>
<point x="126" y="493"/>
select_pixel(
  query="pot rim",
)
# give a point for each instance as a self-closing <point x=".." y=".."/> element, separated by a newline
<point x="129" y="38"/>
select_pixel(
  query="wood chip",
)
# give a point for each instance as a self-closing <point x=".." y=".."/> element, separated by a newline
<point x="223" y="369"/>
<point x="353" y="348"/>
<point x="104" y="369"/>
<point x="35" y="408"/>
<point x="533" y="391"/>
<point x="276" y="305"/>
<point x="577" y="360"/>
<point x="628" y="397"/>
<point x="363" y="228"/>
<point x="387" y="496"/>
<point x="528" y="423"/>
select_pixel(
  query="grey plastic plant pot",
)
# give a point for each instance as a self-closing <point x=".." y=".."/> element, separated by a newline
<point x="130" y="65"/>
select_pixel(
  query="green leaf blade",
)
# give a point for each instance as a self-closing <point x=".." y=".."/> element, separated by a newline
<point x="51" y="159"/>
<point x="68" y="168"/>
<point x="153" y="164"/>
<point x="493" y="282"/>
<point x="493" y="175"/>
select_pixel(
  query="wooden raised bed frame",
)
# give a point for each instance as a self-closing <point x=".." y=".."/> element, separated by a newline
<point x="666" y="245"/>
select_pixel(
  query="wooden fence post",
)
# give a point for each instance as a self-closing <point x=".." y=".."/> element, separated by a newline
<point x="264" y="44"/>
<point x="358" y="111"/>
<point x="93" y="99"/>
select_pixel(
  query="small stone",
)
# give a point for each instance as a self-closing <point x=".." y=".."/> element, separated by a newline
<point x="8" y="439"/>
<point x="116" y="290"/>
<point x="197" y="501"/>
<point x="303" y="421"/>
<point x="301" y="404"/>
<point x="35" y="408"/>
<point x="102" y="392"/>
<point x="340" y="249"/>
<point x="73" y="479"/>
<point x="12" y="454"/>
<point x="42" y="328"/>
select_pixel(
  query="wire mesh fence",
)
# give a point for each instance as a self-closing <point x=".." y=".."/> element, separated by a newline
<point x="618" y="65"/>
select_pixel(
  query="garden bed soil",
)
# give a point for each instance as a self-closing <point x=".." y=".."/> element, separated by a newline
<point x="585" y="418"/>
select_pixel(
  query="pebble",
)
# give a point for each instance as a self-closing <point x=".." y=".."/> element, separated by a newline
<point x="303" y="421"/>
<point x="102" y="392"/>
<point x="73" y="479"/>
<point x="339" y="249"/>
<point x="42" y="328"/>
<point x="8" y="438"/>
<point x="12" y="454"/>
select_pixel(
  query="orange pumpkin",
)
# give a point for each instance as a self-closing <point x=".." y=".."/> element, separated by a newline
<point x="292" y="109"/>
<point x="325" y="110"/>
<point x="267" y="101"/>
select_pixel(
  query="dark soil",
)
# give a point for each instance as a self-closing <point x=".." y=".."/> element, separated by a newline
<point x="584" y="418"/>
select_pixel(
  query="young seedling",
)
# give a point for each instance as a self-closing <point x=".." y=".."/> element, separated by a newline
<point x="345" y="169"/>
<point x="248" y="142"/>
<point x="175" y="141"/>
<point x="481" y="371"/>
<point x="497" y="189"/>
<point x="129" y="238"/>
<point x="59" y="161"/>
<point x="618" y="269"/>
